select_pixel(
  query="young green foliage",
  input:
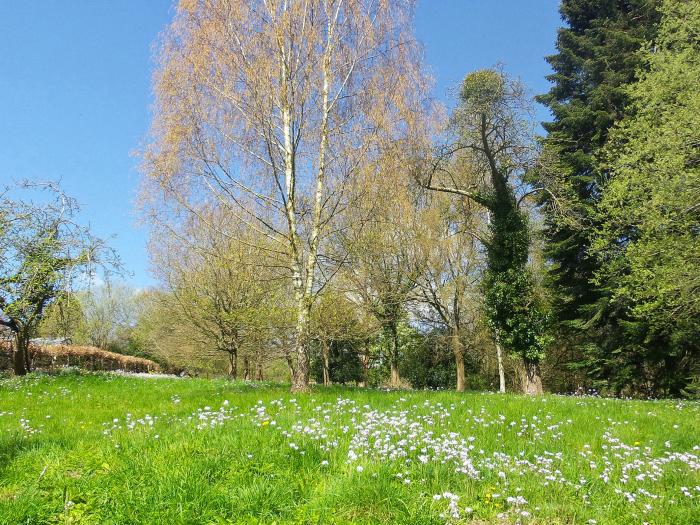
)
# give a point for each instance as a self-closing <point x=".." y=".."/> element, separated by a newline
<point x="649" y="215"/>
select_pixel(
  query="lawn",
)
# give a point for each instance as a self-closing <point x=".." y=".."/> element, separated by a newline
<point x="81" y="448"/>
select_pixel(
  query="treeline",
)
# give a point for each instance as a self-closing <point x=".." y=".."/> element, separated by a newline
<point x="305" y="191"/>
<point x="316" y="214"/>
<point x="311" y="202"/>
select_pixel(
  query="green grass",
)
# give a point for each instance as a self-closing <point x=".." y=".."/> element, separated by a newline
<point x="70" y="462"/>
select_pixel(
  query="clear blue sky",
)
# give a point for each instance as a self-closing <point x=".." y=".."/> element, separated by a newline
<point x="75" y="89"/>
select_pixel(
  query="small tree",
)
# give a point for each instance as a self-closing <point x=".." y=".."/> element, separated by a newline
<point x="448" y="292"/>
<point x="335" y="321"/>
<point x="218" y="288"/>
<point x="63" y="319"/>
<point x="42" y="252"/>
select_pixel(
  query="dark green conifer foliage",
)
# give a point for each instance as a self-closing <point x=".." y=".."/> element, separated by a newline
<point x="598" y="56"/>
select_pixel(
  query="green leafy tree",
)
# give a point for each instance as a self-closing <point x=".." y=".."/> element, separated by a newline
<point x="42" y="253"/>
<point x="649" y="214"/>
<point x="448" y="297"/>
<point x="220" y="290"/>
<point x="109" y="315"/>
<point x="597" y="57"/>
<point x="64" y="319"/>
<point x="386" y="259"/>
<point x="338" y="332"/>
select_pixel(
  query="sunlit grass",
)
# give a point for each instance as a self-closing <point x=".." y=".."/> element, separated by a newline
<point x="211" y="452"/>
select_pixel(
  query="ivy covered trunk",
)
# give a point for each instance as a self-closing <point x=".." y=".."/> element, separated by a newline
<point x="515" y="311"/>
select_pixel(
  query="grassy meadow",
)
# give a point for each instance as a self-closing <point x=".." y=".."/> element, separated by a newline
<point x="98" y="448"/>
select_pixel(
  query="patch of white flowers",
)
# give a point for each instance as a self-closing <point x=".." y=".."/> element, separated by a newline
<point x="414" y="440"/>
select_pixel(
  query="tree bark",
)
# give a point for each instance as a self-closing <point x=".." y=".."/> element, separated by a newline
<point x="364" y="359"/>
<point x="260" y="372"/>
<point x="325" y="349"/>
<point x="233" y="364"/>
<point x="394" y="357"/>
<point x="501" y="371"/>
<point x="300" y="377"/>
<point x="290" y="362"/>
<point x="21" y="354"/>
<point x="532" y="378"/>
<point x="246" y="368"/>
<point x="458" y="351"/>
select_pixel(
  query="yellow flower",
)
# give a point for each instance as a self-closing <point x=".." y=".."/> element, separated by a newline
<point x="265" y="423"/>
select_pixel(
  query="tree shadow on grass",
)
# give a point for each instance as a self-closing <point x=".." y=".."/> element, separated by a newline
<point x="10" y="448"/>
<point x="14" y="446"/>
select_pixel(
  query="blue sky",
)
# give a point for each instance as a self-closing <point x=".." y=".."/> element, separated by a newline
<point x="75" y="89"/>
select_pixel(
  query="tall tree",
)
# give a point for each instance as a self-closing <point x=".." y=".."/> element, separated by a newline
<point x="108" y="312"/>
<point x="268" y="108"/>
<point x="42" y="254"/>
<point x="491" y="152"/>
<point x="648" y="238"/>
<point x="597" y="57"/>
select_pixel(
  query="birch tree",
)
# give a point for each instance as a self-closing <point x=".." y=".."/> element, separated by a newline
<point x="268" y="108"/>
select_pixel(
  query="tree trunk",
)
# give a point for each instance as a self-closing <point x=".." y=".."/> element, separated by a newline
<point x="501" y="372"/>
<point x="300" y="377"/>
<point x="532" y="378"/>
<point x="246" y="368"/>
<point x="289" y="361"/>
<point x="233" y="364"/>
<point x="325" y="349"/>
<point x="27" y="357"/>
<point x="394" y="357"/>
<point x="21" y="355"/>
<point x="364" y="359"/>
<point x="260" y="371"/>
<point x="459" y="358"/>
